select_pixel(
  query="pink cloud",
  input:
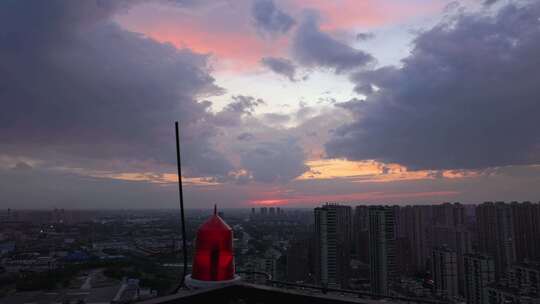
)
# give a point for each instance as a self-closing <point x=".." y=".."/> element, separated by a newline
<point x="347" y="14"/>
<point x="226" y="29"/>
<point x="233" y="51"/>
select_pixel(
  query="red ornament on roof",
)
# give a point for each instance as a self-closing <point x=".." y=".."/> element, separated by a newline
<point x="214" y="258"/>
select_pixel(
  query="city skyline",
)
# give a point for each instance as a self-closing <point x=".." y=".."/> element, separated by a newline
<point x="286" y="103"/>
<point x="431" y="254"/>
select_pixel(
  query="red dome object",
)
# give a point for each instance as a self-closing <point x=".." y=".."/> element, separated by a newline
<point x="214" y="259"/>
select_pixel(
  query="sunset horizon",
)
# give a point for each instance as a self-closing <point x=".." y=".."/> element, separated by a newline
<point x="289" y="103"/>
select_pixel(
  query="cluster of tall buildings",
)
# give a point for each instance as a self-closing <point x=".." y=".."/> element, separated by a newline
<point x="487" y="253"/>
<point x="266" y="212"/>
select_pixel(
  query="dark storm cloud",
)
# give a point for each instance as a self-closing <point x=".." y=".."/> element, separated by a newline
<point x="269" y="18"/>
<point x="275" y="161"/>
<point x="41" y="23"/>
<point x="245" y="136"/>
<point x="232" y="113"/>
<point x="467" y="97"/>
<point x="280" y="66"/>
<point x="353" y="104"/>
<point x="314" y="48"/>
<point x="78" y="90"/>
<point x="364" y="36"/>
<point x="489" y="2"/>
<point x="243" y="104"/>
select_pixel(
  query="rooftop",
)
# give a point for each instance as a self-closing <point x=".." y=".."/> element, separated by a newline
<point x="251" y="293"/>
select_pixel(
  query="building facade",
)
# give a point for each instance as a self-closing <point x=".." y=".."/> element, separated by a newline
<point x="382" y="245"/>
<point x="445" y="272"/>
<point x="526" y="223"/>
<point x="360" y="233"/>
<point x="298" y="261"/>
<point x="333" y="237"/>
<point x="496" y="235"/>
<point x="479" y="273"/>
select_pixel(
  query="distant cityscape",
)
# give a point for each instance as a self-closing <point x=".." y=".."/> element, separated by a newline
<point x="455" y="253"/>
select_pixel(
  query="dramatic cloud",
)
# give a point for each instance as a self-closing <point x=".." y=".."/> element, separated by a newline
<point x="269" y="18"/>
<point x="276" y="119"/>
<point x="280" y="66"/>
<point x="275" y="161"/>
<point x="274" y="147"/>
<point x="467" y="97"/>
<point x="489" y="2"/>
<point x="364" y="36"/>
<point x="245" y="136"/>
<point x="79" y="91"/>
<point x="90" y="90"/>
<point x="314" y="48"/>
<point x="233" y="112"/>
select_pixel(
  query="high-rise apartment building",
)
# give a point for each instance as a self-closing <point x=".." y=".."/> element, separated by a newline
<point x="525" y="277"/>
<point x="496" y="234"/>
<point x="479" y="272"/>
<point x="445" y="272"/>
<point x="449" y="215"/>
<point x="415" y="226"/>
<point x="382" y="255"/>
<point x="298" y="261"/>
<point x="332" y="245"/>
<point x="458" y="239"/>
<point x="360" y="233"/>
<point x="521" y="285"/>
<point x="526" y="223"/>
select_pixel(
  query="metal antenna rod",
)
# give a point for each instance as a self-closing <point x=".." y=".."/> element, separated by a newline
<point x="181" y="196"/>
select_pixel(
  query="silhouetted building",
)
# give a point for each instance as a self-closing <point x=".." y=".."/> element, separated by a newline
<point x="415" y="227"/>
<point x="449" y="215"/>
<point x="501" y="294"/>
<point x="332" y="245"/>
<point x="382" y="255"/>
<point x="525" y="277"/>
<point x="526" y="223"/>
<point x="404" y="256"/>
<point x="458" y="239"/>
<point x="479" y="273"/>
<point x="495" y="234"/>
<point x="444" y="270"/>
<point x="422" y="236"/>
<point x="521" y="286"/>
<point x="298" y="260"/>
<point x="361" y="234"/>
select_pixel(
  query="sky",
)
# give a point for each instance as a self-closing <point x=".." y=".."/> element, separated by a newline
<point x="288" y="103"/>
